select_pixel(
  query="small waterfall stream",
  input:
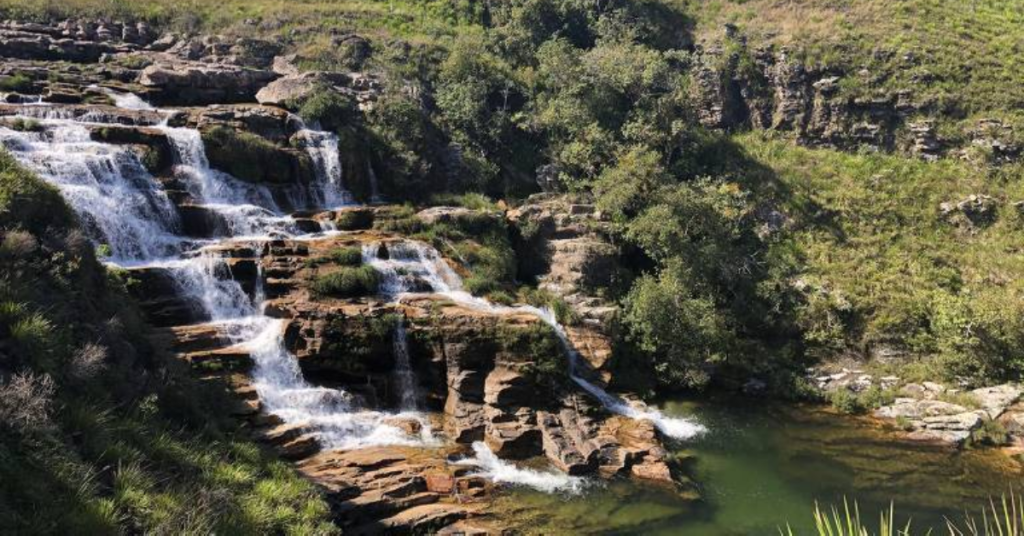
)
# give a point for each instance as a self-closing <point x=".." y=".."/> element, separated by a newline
<point x="412" y="267"/>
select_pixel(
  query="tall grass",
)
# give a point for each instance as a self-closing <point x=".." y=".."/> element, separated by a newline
<point x="1002" y="518"/>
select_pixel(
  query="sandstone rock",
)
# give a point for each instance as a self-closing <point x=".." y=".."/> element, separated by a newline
<point x="191" y="83"/>
<point x="995" y="400"/>
<point x="295" y="88"/>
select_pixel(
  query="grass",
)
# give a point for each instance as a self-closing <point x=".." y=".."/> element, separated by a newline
<point x="98" y="434"/>
<point x="879" y="265"/>
<point x="960" y="57"/>
<point x="346" y="282"/>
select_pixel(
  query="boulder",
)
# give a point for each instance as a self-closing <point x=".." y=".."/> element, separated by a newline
<point x="295" y="88"/>
<point x="197" y="84"/>
<point x="995" y="400"/>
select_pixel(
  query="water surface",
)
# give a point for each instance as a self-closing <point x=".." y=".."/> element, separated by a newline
<point x="760" y="466"/>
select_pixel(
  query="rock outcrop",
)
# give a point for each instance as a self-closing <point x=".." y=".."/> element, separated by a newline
<point x="771" y="88"/>
<point x="560" y="244"/>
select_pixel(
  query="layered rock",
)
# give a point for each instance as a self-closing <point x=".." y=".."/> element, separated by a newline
<point x="560" y="244"/>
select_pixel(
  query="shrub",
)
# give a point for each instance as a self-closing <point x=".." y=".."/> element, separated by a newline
<point x="328" y="109"/>
<point x="347" y="256"/>
<point x="22" y="124"/>
<point x="354" y="220"/>
<point x="348" y="282"/>
<point x="18" y="83"/>
<point x="845" y="401"/>
<point x="991" y="432"/>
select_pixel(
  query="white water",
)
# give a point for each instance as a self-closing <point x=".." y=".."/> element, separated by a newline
<point x="499" y="471"/>
<point x="118" y="201"/>
<point x="415" y="267"/>
<point x="123" y="206"/>
<point x="408" y="390"/>
<point x="329" y="189"/>
<point x="128" y="101"/>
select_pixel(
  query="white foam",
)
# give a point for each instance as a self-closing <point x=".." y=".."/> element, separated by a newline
<point x="499" y="471"/>
<point x="409" y="265"/>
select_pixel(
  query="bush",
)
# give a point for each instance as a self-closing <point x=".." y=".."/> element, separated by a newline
<point x="347" y="256"/>
<point x="845" y="401"/>
<point x="328" y="109"/>
<point x="26" y="125"/>
<point x="348" y="282"/>
<point x="18" y="83"/>
<point x="354" y="220"/>
<point x="991" y="433"/>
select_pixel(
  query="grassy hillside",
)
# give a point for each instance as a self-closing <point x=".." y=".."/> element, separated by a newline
<point x="964" y="58"/>
<point x="99" y="435"/>
<point x="883" y="270"/>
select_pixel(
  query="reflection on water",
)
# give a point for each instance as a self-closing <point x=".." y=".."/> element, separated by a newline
<point x="763" y="466"/>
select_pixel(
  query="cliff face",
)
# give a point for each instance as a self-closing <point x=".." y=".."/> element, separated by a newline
<point x="769" y="88"/>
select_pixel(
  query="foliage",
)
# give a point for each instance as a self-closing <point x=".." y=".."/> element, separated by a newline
<point x="347" y="256"/>
<point x="17" y="82"/>
<point x="99" y="435"/>
<point x="346" y="282"/>
<point x="848" y="523"/>
<point x="328" y="109"/>
<point x="1005" y="518"/>
<point x="249" y="157"/>
<point x="880" y="266"/>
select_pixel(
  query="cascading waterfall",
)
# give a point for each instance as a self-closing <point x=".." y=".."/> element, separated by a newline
<point x="248" y="209"/>
<point x="118" y="202"/>
<point x="123" y="206"/>
<point x="408" y="267"/>
<point x="329" y="190"/>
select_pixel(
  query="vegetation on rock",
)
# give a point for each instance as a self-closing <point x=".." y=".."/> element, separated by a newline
<point x="99" y="433"/>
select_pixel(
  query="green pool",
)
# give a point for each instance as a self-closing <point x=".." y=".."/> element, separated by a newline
<point x="763" y="465"/>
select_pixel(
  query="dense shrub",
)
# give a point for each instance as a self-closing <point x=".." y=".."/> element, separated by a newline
<point x="17" y="83"/>
<point x="252" y="158"/>
<point x="328" y="109"/>
<point x="347" y="282"/>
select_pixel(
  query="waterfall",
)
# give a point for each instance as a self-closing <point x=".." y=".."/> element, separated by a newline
<point x="118" y="202"/>
<point x="122" y="205"/>
<point x="248" y="209"/>
<point x="375" y="197"/>
<point x="495" y="469"/>
<point x="409" y="267"/>
<point x="405" y="376"/>
<point x="329" y="190"/>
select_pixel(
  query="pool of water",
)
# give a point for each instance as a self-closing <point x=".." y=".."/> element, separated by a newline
<point x="761" y="466"/>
